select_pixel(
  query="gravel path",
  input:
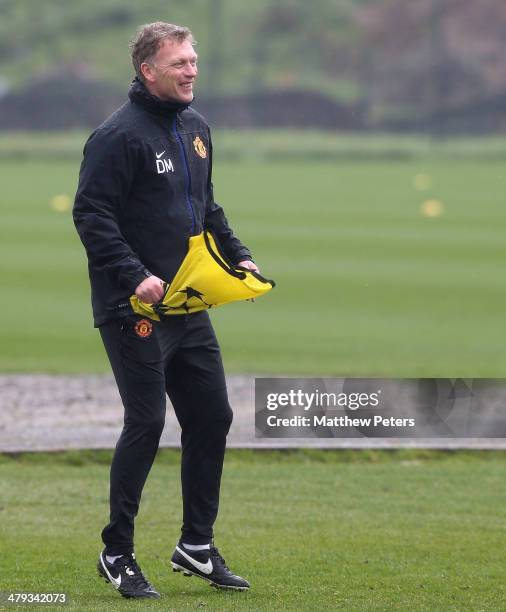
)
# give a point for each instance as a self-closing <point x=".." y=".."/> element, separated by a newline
<point x="43" y="412"/>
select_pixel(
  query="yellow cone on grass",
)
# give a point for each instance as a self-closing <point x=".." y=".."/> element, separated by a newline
<point x="60" y="202"/>
<point x="432" y="208"/>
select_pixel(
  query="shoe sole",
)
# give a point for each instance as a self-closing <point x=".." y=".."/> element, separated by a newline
<point x="188" y="573"/>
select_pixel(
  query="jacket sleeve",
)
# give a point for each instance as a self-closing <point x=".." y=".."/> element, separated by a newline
<point x="105" y="179"/>
<point x="217" y="222"/>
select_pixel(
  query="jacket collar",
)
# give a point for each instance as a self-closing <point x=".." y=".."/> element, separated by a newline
<point x="139" y="94"/>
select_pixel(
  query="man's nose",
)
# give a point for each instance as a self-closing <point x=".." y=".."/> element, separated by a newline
<point x="191" y="70"/>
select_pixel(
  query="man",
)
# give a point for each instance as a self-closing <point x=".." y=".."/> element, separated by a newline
<point x="145" y="188"/>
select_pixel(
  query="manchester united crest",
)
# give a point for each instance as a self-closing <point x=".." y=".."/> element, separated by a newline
<point x="143" y="328"/>
<point x="200" y="147"/>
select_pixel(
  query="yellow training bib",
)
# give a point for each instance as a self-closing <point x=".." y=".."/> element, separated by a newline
<point x="205" y="280"/>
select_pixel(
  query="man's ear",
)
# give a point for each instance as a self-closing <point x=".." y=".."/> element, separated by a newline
<point x="148" y="72"/>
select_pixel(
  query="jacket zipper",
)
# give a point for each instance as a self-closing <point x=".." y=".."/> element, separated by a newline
<point x="188" y="176"/>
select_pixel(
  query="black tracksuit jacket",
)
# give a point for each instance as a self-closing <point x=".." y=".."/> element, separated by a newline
<point x="144" y="188"/>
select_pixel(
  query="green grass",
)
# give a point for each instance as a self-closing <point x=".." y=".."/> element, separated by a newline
<point x="366" y="285"/>
<point x="280" y="145"/>
<point x="313" y="530"/>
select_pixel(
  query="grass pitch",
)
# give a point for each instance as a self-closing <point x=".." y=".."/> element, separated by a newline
<point x="367" y="283"/>
<point x="345" y="530"/>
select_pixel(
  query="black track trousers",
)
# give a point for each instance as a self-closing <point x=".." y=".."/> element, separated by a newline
<point x="179" y="356"/>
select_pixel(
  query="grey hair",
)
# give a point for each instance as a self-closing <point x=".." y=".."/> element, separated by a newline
<point x="149" y="38"/>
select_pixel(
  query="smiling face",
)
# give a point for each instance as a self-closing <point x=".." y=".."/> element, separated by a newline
<point x="171" y="72"/>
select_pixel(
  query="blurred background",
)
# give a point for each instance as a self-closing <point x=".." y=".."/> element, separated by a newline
<point x="360" y="149"/>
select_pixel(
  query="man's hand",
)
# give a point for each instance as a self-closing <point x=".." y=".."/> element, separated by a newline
<point x="150" y="290"/>
<point x="249" y="265"/>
